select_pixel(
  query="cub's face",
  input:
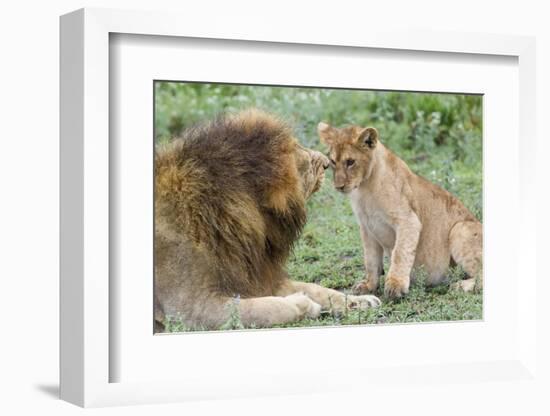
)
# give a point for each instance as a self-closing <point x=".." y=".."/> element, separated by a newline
<point x="311" y="168"/>
<point x="351" y="152"/>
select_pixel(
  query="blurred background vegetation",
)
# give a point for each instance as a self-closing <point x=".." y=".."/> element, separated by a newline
<point x="438" y="135"/>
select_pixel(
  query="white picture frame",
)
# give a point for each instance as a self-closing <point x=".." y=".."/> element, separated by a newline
<point x="86" y="356"/>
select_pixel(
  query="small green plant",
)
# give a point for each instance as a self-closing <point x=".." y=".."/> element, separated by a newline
<point x="234" y="320"/>
<point x="174" y="324"/>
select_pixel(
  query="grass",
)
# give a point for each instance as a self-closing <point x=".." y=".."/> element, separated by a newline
<point x="438" y="135"/>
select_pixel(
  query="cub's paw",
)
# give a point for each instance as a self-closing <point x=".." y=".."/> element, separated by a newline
<point x="396" y="287"/>
<point x="306" y="307"/>
<point x="468" y="285"/>
<point x="364" y="287"/>
<point x="363" y="302"/>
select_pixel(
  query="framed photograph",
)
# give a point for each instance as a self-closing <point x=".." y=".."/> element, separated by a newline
<point x="324" y="245"/>
<point x="284" y="195"/>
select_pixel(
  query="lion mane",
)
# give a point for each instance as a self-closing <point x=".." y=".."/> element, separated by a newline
<point x="231" y="189"/>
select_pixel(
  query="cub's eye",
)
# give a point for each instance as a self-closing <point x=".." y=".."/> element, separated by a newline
<point x="350" y="162"/>
<point x="332" y="162"/>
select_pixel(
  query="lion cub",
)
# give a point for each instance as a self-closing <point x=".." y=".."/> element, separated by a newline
<point x="401" y="213"/>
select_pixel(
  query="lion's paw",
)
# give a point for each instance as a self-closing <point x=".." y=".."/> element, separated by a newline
<point x="363" y="287"/>
<point x="363" y="302"/>
<point x="467" y="285"/>
<point x="396" y="287"/>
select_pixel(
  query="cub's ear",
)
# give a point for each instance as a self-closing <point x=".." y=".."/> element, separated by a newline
<point x="368" y="137"/>
<point x="326" y="133"/>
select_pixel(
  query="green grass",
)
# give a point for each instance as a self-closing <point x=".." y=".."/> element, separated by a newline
<point x="438" y="135"/>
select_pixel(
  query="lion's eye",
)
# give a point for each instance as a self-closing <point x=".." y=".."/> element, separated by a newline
<point x="350" y="162"/>
<point x="332" y="162"/>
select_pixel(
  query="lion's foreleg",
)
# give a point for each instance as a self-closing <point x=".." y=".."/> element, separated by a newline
<point x="274" y="310"/>
<point x="373" y="257"/>
<point x="407" y="232"/>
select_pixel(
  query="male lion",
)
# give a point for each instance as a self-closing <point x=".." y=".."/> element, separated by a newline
<point x="229" y="204"/>
<point x="401" y="213"/>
